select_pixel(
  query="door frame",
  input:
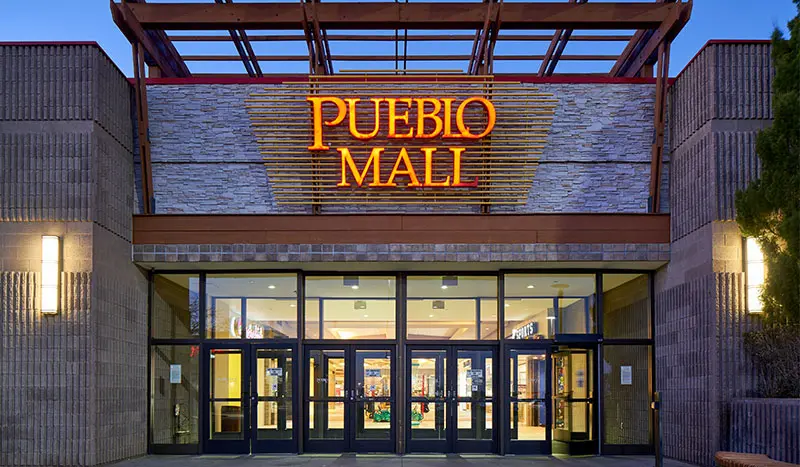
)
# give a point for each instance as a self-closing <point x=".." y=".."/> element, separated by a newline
<point x="225" y="446"/>
<point x="543" y="447"/>
<point x="249" y="442"/>
<point x="349" y="441"/>
<point x="590" y="446"/>
<point x="451" y="443"/>
<point x="286" y="445"/>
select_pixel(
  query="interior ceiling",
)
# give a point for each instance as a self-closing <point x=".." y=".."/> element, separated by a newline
<point x="285" y="286"/>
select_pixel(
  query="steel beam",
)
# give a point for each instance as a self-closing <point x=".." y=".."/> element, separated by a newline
<point x="389" y="58"/>
<point x="657" y="155"/>
<point x="391" y="38"/>
<point x="642" y="48"/>
<point x="390" y="16"/>
<point x="158" y="50"/>
<point x="142" y="125"/>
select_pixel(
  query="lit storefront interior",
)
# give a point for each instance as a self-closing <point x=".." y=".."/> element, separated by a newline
<point x="517" y="362"/>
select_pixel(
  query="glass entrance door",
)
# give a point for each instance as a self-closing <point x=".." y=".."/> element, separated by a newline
<point x="249" y="403"/>
<point x="350" y="399"/>
<point x="451" y="397"/>
<point x="573" y="401"/>
<point x="272" y="401"/>
<point x="529" y="401"/>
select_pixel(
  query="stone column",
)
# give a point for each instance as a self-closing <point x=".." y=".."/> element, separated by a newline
<point x="73" y="386"/>
<point x="717" y="105"/>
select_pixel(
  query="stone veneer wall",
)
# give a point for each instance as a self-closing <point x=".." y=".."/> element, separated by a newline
<point x="73" y="384"/>
<point x="717" y="105"/>
<point x="597" y="159"/>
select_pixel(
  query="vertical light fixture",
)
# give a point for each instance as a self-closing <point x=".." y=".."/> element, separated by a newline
<point x="755" y="272"/>
<point x="51" y="272"/>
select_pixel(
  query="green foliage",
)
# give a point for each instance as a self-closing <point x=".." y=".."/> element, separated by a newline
<point x="776" y="351"/>
<point x="769" y="209"/>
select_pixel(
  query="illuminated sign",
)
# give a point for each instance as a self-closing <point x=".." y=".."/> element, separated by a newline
<point x="252" y="331"/>
<point x="429" y="111"/>
<point x="340" y="140"/>
<point x="525" y="331"/>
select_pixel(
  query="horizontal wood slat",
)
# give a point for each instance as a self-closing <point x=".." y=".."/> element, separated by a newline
<point x="341" y="229"/>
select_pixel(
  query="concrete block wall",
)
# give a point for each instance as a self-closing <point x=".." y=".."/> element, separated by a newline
<point x="76" y="380"/>
<point x="206" y="159"/>
<point x="767" y="426"/>
<point x="717" y="105"/>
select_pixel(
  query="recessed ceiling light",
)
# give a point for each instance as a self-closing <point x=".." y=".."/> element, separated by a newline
<point x="531" y="286"/>
<point x="252" y="282"/>
<point x="444" y="286"/>
<point x="354" y="287"/>
<point x="292" y="305"/>
<point x="271" y="286"/>
<point x="508" y="304"/>
<point x="366" y="316"/>
<point x="430" y="316"/>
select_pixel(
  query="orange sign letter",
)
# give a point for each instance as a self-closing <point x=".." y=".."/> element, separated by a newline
<point x="349" y="163"/>
<point x="464" y="129"/>
<point x="394" y="118"/>
<point x="429" y="169"/>
<point x="409" y="170"/>
<point x="457" y="170"/>
<point x="353" y="128"/>
<point x="434" y="115"/>
<point x="316" y="107"/>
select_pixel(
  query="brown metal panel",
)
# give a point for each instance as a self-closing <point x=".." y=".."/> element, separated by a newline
<point x="422" y="15"/>
<point x="338" y="229"/>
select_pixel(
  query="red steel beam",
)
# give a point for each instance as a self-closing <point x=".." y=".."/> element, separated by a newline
<point x="389" y="58"/>
<point x="391" y="38"/>
<point x="390" y="16"/>
<point x="657" y="155"/>
<point x="159" y="50"/>
<point x="644" y="45"/>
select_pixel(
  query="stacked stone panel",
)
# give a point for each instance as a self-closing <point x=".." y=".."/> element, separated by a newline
<point x="206" y="159"/>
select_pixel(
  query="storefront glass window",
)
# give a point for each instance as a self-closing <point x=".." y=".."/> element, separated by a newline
<point x="350" y="307"/>
<point x="251" y="306"/>
<point x="175" y="391"/>
<point x="176" y="306"/>
<point x="626" y="306"/>
<point x="452" y="307"/>
<point x="538" y="306"/>
<point x="626" y="400"/>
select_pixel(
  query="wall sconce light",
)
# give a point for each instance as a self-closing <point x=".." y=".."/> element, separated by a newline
<point x="51" y="273"/>
<point x="755" y="272"/>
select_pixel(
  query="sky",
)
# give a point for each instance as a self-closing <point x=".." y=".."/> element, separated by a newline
<point x="90" y="20"/>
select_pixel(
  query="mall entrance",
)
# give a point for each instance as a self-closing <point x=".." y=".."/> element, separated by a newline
<point x="551" y="400"/>
<point x="248" y="398"/>
<point x="350" y="393"/>
<point x="450" y="396"/>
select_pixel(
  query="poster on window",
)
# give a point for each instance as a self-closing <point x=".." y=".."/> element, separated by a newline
<point x="626" y="375"/>
<point x="175" y="374"/>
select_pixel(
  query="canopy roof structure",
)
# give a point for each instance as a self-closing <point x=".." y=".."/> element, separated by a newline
<point x="154" y="29"/>
<point x="473" y="29"/>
